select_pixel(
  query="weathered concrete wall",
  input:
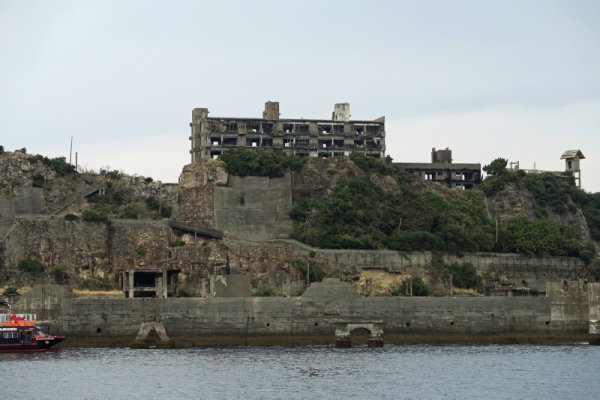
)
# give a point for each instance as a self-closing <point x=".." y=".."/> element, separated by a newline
<point x="85" y="248"/>
<point x="256" y="207"/>
<point x="253" y="206"/>
<point x="231" y="285"/>
<point x="7" y="207"/>
<point x="92" y="249"/>
<point x="594" y="313"/>
<point x="532" y="272"/>
<point x="570" y="303"/>
<point x="30" y="201"/>
<point x="300" y="320"/>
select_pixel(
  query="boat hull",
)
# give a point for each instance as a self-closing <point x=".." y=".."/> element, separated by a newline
<point x="37" y="346"/>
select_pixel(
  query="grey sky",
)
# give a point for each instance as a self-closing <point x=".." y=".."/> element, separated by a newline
<point x="516" y="79"/>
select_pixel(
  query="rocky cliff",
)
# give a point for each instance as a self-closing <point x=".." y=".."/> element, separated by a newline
<point x="253" y="212"/>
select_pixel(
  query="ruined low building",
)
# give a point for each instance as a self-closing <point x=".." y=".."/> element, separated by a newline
<point x="443" y="170"/>
<point x="337" y="137"/>
<point x="148" y="282"/>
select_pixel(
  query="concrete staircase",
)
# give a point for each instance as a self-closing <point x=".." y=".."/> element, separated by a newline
<point x="65" y="201"/>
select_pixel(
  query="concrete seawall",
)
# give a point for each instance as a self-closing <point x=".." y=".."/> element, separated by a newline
<point x="313" y="320"/>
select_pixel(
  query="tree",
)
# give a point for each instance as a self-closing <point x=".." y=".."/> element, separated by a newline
<point x="496" y="167"/>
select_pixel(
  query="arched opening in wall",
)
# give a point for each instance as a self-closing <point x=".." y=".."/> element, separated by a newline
<point x="360" y="337"/>
<point x="152" y="337"/>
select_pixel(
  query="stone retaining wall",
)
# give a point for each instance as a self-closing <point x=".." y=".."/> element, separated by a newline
<point x="296" y="320"/>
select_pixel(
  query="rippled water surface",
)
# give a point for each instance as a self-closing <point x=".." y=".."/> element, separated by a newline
<point x="392" y="372"/>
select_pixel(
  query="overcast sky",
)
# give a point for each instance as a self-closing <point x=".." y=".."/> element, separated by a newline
<point x="513" y="79"/>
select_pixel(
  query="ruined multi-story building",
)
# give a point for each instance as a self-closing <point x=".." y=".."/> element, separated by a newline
<point x="337" y="137"/>
<point x="441" y="169"/>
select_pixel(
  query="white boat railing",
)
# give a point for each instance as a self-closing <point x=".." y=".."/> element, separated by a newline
<point x="28" y="317"/>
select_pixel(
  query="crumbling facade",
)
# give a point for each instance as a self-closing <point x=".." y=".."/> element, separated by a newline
<point x="153" y="282"/>
<point x="337" y="137"/>
<point x="441" y="169"/>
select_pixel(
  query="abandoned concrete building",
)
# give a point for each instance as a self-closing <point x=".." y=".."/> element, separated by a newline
<point x="441" y="169"/>
<point x="148" y="282"/>
<point x="337" y="137"/>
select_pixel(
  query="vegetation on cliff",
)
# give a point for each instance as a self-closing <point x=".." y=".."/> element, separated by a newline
<point x="359" y="213"/>
<point x="260" y="162"/>
<point x="119" y="201"/>
<point x="58" y="165"/>
<point x="552" y="193"/>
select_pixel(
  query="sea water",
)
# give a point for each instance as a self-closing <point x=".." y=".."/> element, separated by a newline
<point x="313" y="372"/>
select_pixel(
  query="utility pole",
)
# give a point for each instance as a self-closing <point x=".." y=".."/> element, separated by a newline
<point x="159" y="199"/>
<point x="496" y="229"/>
<point x="71" y="150"/>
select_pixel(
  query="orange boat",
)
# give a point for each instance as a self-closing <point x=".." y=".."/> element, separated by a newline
<point x="19" y="335"/>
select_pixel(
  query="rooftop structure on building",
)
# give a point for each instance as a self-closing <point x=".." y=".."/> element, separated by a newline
<point x="335" y="137"/>
<point x="572" y="166"/>
<point x="442" y="170"/>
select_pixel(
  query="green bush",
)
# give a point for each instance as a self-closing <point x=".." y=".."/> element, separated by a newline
<point x="590" y="206"/>
<point x="464" y="276"/>
<point x="114" y="196"/>
<point x="496" y="167"/>
<point x="154" y="204"/>
<point x="58" y="165"/>
<point x="128" y="211"/>
<point x="140" y="250"/>
<point x="419" y="288"/>
<point x="358" y="214"/>
<point x="264" y="291"/>
<point x="412" y="241"/>
<point x="541" y="237"/>
<point x="38" y="181"/>
<point x="177" y="242"/>
<point x="260" y="162"/>
<point x="114" y="174"/>
<point x="71" y="217"/>
<point x="11" y="291"/>
<point x="308" y="267"/>
<point x="550" y="190"/>
<point x="93" y="215"/>
<point x="30" y="265"/>
<point x="165" y="211"/>
<point x="1" y="149"/>
<point x="97" y="283"/>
